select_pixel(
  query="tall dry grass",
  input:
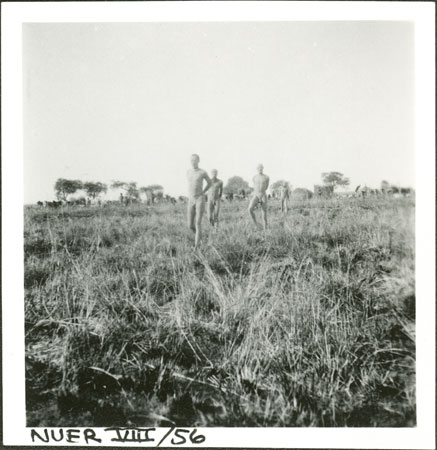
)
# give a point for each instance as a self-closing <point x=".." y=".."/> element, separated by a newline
<point x="308" y="324"/>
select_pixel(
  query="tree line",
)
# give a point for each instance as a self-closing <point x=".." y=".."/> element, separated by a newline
<point x="93" y="189"/>
<point x="236" y="185"/>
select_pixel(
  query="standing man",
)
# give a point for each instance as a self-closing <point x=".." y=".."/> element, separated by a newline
<point x="149" y="197"/>
<point x="260" y="184"/>
<point x="285" y="195"/>
<point x="196" y="197"/>
<point x="214" y="198"/>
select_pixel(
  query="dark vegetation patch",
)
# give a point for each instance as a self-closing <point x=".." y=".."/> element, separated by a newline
<point x="38" y="246"/>
<point x="35" y="276"/>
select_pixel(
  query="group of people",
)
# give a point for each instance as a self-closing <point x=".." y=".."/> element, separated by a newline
<point x="213" y="189"/>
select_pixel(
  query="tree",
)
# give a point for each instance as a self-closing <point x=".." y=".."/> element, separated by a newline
<point x="130" y="188"/>
<point x="94" y="189"/>
<point x="155" y="187"/>
<point x="65" y="187"/>
<point x="235" y="184"/>
<point x="334" y="179"/>
<point x="118" y="185"/>
<point x="153" y="192"/>
<point x="132" y="191"/>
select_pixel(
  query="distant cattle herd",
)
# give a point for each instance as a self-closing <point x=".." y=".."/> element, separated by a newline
<point x="298" y="194"/>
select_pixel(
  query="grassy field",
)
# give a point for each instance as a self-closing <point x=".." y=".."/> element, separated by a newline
<point x="309" y="324"/>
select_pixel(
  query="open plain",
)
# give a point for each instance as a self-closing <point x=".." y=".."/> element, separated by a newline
<point x="311" y="323"/>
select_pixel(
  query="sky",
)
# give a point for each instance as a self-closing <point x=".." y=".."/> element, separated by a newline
<point x="133" y="101"/>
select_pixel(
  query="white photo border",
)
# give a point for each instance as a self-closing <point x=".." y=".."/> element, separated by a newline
<point x="421" y="13"/>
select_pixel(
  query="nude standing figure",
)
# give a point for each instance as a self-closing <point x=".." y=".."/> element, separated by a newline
<point x="260" y="184"/>
<point x="214" y="197"/>
<point x="196" y="197"/>
<point x="285" y="195"/>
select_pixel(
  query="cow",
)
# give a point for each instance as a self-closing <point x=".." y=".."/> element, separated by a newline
<point x="107" y="203"/>
<point x="53" y="204"/>
<point x="74" y="202"/>
<point x="364" y="191"/>
<point x="406" y="192"/>
<point x="387" y="192"/>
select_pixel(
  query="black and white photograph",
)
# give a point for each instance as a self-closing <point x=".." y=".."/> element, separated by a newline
<point x="218" y="227"/>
